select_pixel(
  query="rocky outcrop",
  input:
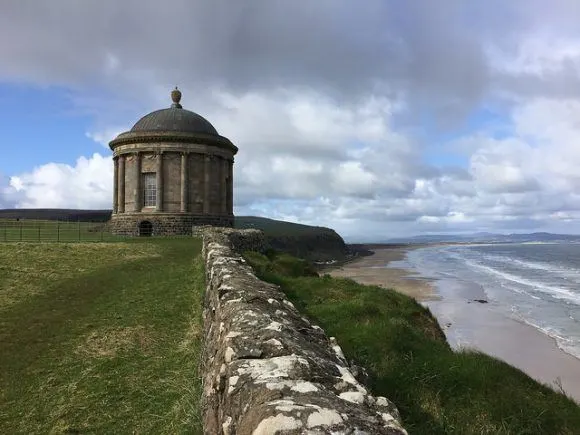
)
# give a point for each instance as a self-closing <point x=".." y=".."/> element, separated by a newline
<point x="266" y="368"/>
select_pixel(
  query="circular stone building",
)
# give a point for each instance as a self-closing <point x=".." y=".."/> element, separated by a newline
<point x="173" y="171"/>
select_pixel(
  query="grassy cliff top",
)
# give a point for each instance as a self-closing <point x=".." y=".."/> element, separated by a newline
<point x="437" y="390"/>
<point x="101" y="337"/>
<point x="271" y="227"/>
<point x="314" y="243"/>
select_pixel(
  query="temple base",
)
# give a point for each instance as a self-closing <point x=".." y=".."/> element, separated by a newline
<point x="164" y="224"/>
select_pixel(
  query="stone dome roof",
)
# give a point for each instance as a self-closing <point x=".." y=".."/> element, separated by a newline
<point x="175" y="118"/>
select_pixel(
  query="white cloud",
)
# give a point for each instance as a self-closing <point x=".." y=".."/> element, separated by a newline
<point x="351" y="178"/>
<point x="302" y="145"/>
<point x="103" y="137"/>
<point x="500" y="167"/>
<point x="86" y="185"/>
<point x="536" y="54"/>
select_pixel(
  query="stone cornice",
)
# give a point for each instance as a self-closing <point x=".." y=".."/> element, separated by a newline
<point x="152" y="213"/>
<point x="128" y="138"/>
<point x="170" y="148"/>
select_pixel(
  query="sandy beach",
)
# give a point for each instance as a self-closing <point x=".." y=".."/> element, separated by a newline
<point x="370" y="270"/>
<point x="469" y="324"/>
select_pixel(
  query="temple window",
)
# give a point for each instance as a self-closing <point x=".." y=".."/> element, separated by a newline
<point x="149" y="189"/>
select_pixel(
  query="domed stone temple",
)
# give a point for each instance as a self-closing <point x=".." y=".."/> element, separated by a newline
<point x="173" y="171"/>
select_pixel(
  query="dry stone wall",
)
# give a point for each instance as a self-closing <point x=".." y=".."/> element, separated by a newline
<point x="266" y="368"/>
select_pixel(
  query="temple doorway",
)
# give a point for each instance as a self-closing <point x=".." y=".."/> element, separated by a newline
<point x="145" y="229"/>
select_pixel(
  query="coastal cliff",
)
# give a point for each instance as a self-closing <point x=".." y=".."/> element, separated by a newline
<point x="317" y="244"/>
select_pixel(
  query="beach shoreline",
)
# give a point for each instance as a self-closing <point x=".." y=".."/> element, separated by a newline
<point x="467" y="323"/>
<point x="371" y="270"/>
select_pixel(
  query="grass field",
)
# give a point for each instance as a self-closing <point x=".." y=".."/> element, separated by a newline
<point x="31" y="230"/>
<point x="43" y="230"/>
<point x="100" y="337"/>
<point x="437" y="391"/>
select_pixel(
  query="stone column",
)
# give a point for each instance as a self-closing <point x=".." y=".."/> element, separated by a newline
<point x="159" y="182"/>
<point x="223" y="185"/>
<point x="115" y="184"/>
<point x="184" y="190"/>
<point x="121" y="185"/>
<point x="206" y="180"/>
<point x="138" y="188"/>
<point x="231" y="186"/>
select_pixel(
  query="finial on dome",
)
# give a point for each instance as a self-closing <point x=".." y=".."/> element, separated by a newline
<point x="176" y="98"/>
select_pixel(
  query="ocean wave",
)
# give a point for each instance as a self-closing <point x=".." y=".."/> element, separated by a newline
<point x="555" y="268"/>
<point x="555" y="292"/>
<point x="517" y="290"/>
<point x="551" y="291"/>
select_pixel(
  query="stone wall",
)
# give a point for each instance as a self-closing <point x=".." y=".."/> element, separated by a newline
<point x="214" y="194"/>
<point x="164" y="224"/>
<point x="245" y="240"/>
<point x="267" y="369"/>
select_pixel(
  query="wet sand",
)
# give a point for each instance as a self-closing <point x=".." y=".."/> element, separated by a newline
<point x="472" y="325"/>
<point x="371" y="270"/>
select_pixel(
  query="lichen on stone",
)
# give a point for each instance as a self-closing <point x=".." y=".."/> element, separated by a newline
<point x="266" y="368"/>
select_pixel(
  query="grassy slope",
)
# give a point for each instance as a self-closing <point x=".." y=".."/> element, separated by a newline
<point x="436" y="390"/>
<point x="273" y="227"/>
<point x="100" y="337"/>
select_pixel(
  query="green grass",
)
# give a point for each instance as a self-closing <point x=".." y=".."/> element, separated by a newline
<point x="100" y="337"/>
<point x="437" y="390"/>
<point x="32" y="230"/>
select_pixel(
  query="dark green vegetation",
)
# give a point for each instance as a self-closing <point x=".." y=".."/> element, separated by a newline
<point x="437" y="391"/>
<point x="27" y="230"/>
<point x="100" y="337"/>
<point x="273" y="227"/>
<point x="304" y="241"/>
<point x="54" y="214"/>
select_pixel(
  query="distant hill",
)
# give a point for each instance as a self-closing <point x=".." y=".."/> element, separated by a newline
<point x="275" y="227"/>
<point x="310" y="242"/>
<point x="488" y="238"/>
<point x="53" y="214"/>
<point x="304" y="241"/>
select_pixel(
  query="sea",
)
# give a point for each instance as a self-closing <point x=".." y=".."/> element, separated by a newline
<point x="534" y="283"/>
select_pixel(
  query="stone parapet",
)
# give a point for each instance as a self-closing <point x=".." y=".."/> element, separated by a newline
<point x="266" y="368"/>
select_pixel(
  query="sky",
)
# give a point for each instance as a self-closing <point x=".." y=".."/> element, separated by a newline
<point x="379" y="118"/>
